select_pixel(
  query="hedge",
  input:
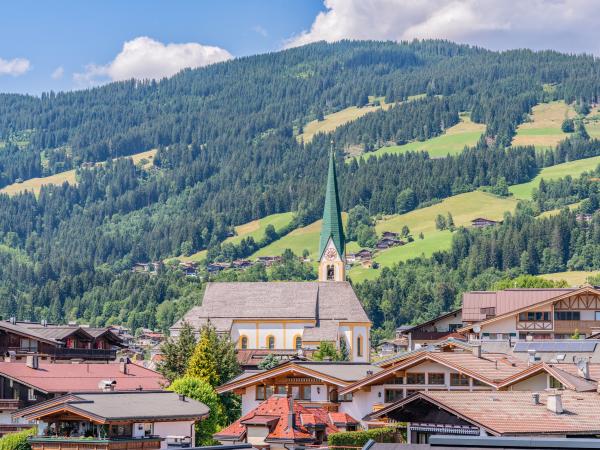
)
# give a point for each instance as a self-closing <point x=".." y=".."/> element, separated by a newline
<point x="360" y="438"/>
<point x="17" y="441"/>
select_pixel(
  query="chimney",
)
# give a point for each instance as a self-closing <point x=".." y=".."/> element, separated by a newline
<point x="10" y="356"/>
<point x="44" y="323"/>
<point x="33" y="361"/>
<point x="535" y="397"/>
<point x="181" y="398"/>
<point x="107" y="385"/>
<point x="476" y="349"/>
<point x="13" y="320"/>
<point x="532" y="357"/>
<point x="291" y="415"/>
<point x="369" y="373"/>
<point x="554" y="403"/>
<point x="123" y="367"/>
<point x="583" y="369"/>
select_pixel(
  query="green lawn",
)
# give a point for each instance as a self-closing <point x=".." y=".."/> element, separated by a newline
<point x="255" y="229"/>
<point x="453" y="141"/>
<point x="544" y="129"/>
<point x="463" y="207"/>
<point x="573" y="168"/>
<point x="573" y="278"/>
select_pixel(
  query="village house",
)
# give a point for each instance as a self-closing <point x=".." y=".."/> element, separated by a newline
<point x="268" y="261"/>
<point x="481" y="222"/>
<point x="115" y="421"/>
<point x="57" y="342"/>
<point x="504" y="414"/>
<point x="362" y="255"/>
<point x="310" y="383"/>
<point x="26" y="384"/>
<point x="385" y="243"/>
<point x="293" y="316"/>
<point x="431" y="331"/>
<point x="280" y="421"/>
<point x="523" y="314"/>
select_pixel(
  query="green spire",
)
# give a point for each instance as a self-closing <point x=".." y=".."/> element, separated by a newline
<point x="332" y="227"/>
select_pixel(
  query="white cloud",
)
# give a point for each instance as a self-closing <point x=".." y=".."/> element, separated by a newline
<point x="567" y="25"/>
<point x="14" y="67"/>
<point x="145" y="58"/>
<point x="58" y="73"/>
<point x="260" y="30"/>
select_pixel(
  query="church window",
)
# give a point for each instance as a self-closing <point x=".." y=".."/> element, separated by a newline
<point x="330" y="273"/>
<point x="244" y="342"/>
<point x="271" y="342"/>
<point x="297" y="342"/>
<point x="359" y="346"/>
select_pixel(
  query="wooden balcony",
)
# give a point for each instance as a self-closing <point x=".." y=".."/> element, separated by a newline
<point x="569" y="326"/>
<point x="65" y="443"/>
<point x="9" y="404"/>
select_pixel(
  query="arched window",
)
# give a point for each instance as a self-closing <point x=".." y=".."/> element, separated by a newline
<point x="271" y="342"/>
<point x="244" y="342"/>
<point x="330" y="273"/>
<point x="297" y="342"/>
<point x="359" y="346"/>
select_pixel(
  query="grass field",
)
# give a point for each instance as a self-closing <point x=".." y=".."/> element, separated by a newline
<point x="573" y="278"/>
<point x="454" y="140"/>
<point x="35" y="184"/>
<point x="592" y="122"/>
<point x="573" y="168"/>
<point x="336" y="119"/>
<point x="544" y="130"/>
<point x="302" y="238"/>
<point x="463" y="207"/>
<point x="256" y="229"/>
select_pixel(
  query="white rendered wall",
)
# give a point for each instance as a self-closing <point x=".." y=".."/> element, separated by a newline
<point x="249" y="401"/>
<point x="183" y="428"/>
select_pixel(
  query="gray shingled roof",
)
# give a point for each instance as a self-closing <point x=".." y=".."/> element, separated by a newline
<point x="321" y="301"/>
<point x="135" y="405"/>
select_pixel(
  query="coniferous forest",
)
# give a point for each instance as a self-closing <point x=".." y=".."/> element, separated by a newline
<point x="228" y="153"/>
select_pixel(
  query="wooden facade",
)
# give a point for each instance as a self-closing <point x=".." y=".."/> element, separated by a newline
<point x="49" y="443"/>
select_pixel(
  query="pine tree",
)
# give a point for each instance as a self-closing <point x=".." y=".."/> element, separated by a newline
<point x="177" y="353"/>
<point x="204" y="363"/>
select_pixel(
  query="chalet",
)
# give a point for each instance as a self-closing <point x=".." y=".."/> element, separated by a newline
<point x="149" y="338"/>
<point x="390" y="235"/>
<point x="190" y="269"/>
<point x="149" y="267"/>
<point x="241" y="263"/>
<point x="57" y="342"/>
<point x="386" y="243"/>
<point x="293" y="315"/>
<point x="268" y="261"/>
<point x="431" y="331"/>
<point x="545" y="414"/>
<point x="583" y="217"/>
<point x="362" y="255"/>
<point x="311" y="383"/>
<point x="26" y="384"/>
<point x="280" y="421"/>
<point x="481" y="222"/>
<point x="115" y="420"/>
<point x="217" y="266"/>
<point x="531" y="313"/>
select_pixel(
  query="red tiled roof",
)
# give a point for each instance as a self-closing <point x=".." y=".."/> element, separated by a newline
<point x="278" y="407"/>
<point x="62" y="378"/>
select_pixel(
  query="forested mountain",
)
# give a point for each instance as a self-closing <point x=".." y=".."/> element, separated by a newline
<point x="228" y="154"/>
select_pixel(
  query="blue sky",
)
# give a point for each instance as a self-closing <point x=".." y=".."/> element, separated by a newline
<point x="70" y="44"/>
<point x="71" y="34"/>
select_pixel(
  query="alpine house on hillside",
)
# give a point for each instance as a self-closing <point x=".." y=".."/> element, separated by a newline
<point x="291" y="317"/>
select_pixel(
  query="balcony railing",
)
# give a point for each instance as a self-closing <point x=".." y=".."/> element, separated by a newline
<point x="65" y="353"/>
<point x="93" y="443"/>
<point x="10" y="404"/>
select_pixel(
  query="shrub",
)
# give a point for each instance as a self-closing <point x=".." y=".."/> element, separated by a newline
<point x="359" y="438"/>
<point x="17" y="441"/>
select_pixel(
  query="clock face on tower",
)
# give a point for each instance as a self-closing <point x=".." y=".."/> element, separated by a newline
<point x="330" y="254"/>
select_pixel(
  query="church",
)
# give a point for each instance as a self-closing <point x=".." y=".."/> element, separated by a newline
<point x="293" y="316"/>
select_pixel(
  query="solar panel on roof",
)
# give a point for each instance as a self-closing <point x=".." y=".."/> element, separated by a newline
<point x="575" y="346"/>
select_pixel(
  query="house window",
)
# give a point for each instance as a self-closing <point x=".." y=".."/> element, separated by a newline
<point x="297" y="342"/>
<point x="458" y="379"/>
<point x="270" y="342"/>
<point x="345" y="398"/>
<point x="539" y="316"/>
<point x="304" y="392"/>
<point x="244" y="342"/>
<point x="478" y="383"/>
<point x="567" y="315"/>
<point x="454" y="326"/>
<point x="330" y="273"/>
<point x="597" y="315"/>
<point x="415" y="378"/>
<point x="263" y="392"/>
<point x="281" y="389"/>
<point x="436" y="378"/>
<point x="359" y="346"/>
<point x="31" y="395"/>
<point x="393" y="395"/>
<point x="555" y="384"/>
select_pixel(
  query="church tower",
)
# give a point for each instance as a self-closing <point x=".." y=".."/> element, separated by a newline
<point x="332" y="247"/>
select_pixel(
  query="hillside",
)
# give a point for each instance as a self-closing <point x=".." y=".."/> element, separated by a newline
<point x="228" y="157"/>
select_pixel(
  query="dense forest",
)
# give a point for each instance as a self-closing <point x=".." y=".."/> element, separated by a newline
<point x="228" y="154"/>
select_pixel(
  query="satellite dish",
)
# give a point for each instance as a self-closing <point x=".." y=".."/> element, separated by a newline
<point x="561" y="357"/>
<point x="476" y="328"/>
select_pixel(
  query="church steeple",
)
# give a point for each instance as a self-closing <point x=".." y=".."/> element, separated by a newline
<point x="332" y="246"/>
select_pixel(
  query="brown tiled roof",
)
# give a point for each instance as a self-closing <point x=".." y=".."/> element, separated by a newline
<point x="513" y="412"/>
<point x="562" y="372"/>
<point x="504" y="301"/>
<point x="275" y="413"/>
<point x="313" y="301"/>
